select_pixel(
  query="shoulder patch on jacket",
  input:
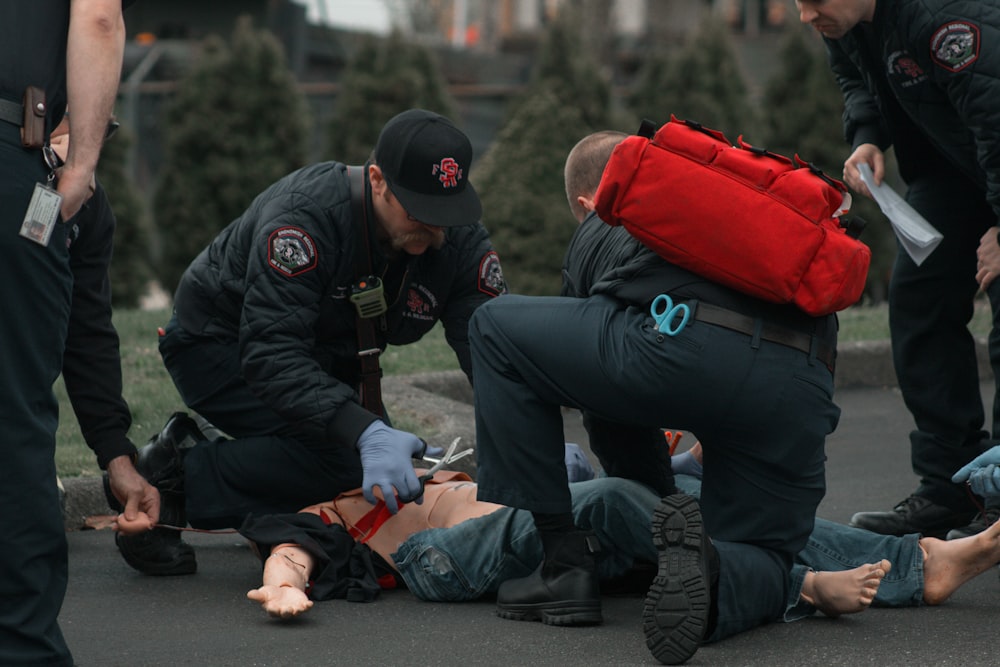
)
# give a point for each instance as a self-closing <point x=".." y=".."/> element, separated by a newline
<point x="291" y="251"/>
<point x="955" y="45"/>
<point x="491" y="275"/>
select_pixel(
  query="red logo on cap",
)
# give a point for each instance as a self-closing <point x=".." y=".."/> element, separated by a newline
<point x="449" y="172"/>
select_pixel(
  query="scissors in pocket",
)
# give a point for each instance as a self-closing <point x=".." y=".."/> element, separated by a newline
<point x="665" y="313"/>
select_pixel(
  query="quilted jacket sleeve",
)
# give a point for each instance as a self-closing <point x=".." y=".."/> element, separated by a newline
<point x="292" y="260"/>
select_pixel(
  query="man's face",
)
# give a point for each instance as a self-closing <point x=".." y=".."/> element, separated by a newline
<point x="834" y="18"/>
<point x="403" y="232"/>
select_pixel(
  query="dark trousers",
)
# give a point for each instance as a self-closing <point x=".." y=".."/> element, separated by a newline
<point x="35" y="284"/>
<point x="930" y="307"/>
<point x="761" y="410"/>
<point x="264" y="469"/>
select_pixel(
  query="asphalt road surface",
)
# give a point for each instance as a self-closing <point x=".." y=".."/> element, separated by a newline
<point x="115" y="616"/>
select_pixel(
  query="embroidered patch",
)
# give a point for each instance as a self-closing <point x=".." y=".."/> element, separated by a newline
<point x="491" y="275"/>
<point x="448" y="172"/>
<point x="955" y="45"/>
<point x="291" y="251"/>
<point x="904" y="70"/>
<point x="420" y="303"/>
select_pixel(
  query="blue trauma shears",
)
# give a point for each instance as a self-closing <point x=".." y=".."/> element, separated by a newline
<point x="665" y="312"/>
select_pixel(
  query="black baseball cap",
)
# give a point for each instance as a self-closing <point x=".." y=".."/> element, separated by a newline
<point x="425" y="160"/>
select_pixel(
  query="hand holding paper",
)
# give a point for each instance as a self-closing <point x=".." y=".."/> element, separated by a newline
<point x="917" y="236"/>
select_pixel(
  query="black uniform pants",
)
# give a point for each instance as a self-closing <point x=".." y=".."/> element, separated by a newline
<point x="930" y="307"/>
<point x="35" y="284"/>
<point x="761" y="410"/>
<point x="264" y="468"/>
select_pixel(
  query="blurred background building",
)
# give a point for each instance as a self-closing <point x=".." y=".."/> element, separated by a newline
<point x="485" y="47"/>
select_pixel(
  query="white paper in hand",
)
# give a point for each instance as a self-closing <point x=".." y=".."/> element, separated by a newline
<point x="917" y="236"/>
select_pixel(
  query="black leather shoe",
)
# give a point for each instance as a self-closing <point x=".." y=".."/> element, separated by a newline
<point x="564" y="590"/>
<point x="160" y="461"/>
<point x="981" y="522"/>
<point x="158" y="552"/>
<point x="161" y="551"/>
<point x="916" y="514"/>
<point x="675" y="616"/>
<point x="208" y="430"/>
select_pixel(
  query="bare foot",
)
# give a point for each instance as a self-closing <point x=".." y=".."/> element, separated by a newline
<point x="281" y="601"/>
<point x="950" y="563"/>
<point x="846" y="592"/>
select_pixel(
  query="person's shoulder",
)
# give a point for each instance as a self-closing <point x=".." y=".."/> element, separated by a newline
<point x="319" y="173"/>
<point x="594" y="230"/>
<point x="467" y="236"/>
<point x="913" y="15"/>
<point x="322" y="184"/>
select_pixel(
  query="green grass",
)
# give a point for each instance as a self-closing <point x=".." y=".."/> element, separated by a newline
<point x="152" y="397"/>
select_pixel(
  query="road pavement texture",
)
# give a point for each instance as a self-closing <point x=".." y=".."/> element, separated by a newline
<point x="115" y="616"/>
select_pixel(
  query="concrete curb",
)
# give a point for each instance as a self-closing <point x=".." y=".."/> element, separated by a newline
<point x="440" y="406"/>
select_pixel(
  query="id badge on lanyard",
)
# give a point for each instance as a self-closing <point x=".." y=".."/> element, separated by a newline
<point x="43" y="209"/>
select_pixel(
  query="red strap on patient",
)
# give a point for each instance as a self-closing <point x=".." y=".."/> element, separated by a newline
<point x="368" y="525"/>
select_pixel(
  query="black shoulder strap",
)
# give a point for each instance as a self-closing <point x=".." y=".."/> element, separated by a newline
<point x="370" y="384"/>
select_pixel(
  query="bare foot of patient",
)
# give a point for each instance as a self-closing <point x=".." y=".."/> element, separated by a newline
<point x="281" y="601"/>
<point x="846" y="592"/>
<point x="950" y="563"/>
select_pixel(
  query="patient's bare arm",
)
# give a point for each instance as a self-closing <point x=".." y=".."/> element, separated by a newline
<point x="283" y="590"/>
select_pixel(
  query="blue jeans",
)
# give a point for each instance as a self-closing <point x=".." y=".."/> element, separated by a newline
<point x="834" y="547"/>
<point x="473" y="558"/>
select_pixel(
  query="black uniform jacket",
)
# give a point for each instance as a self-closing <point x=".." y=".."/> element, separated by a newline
<point x="277" y="281"/>
<point x="922" y="74"/>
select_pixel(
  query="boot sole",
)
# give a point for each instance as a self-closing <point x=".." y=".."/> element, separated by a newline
<point x="564" y="613"/>
<point x="675" y="613"/>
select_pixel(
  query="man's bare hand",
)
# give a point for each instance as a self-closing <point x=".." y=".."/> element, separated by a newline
<point x="76" y="187"/>
<point x="133" y="491"/>
<point x="988" y="258"/>
<point x="871" y="155"/>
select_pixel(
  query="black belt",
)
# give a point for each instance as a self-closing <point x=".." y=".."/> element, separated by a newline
<point x="799" y="340"/>
<point x="12" y="112"/>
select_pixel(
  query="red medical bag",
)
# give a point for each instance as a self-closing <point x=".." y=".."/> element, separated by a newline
<point x="741" y="216"/>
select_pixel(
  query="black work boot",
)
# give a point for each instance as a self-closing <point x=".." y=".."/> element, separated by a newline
<point x="916" y="514"/>
<point x="564" y="590"/>
<point x="676" y="614"/>
<point x="981" y="522"/>
<point x="209" y="430"/>
<point x="161" y="551"/>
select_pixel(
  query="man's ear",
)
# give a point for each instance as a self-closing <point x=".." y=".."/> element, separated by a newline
<point x="586" y="202"/>
<point x="376" y="179"/>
